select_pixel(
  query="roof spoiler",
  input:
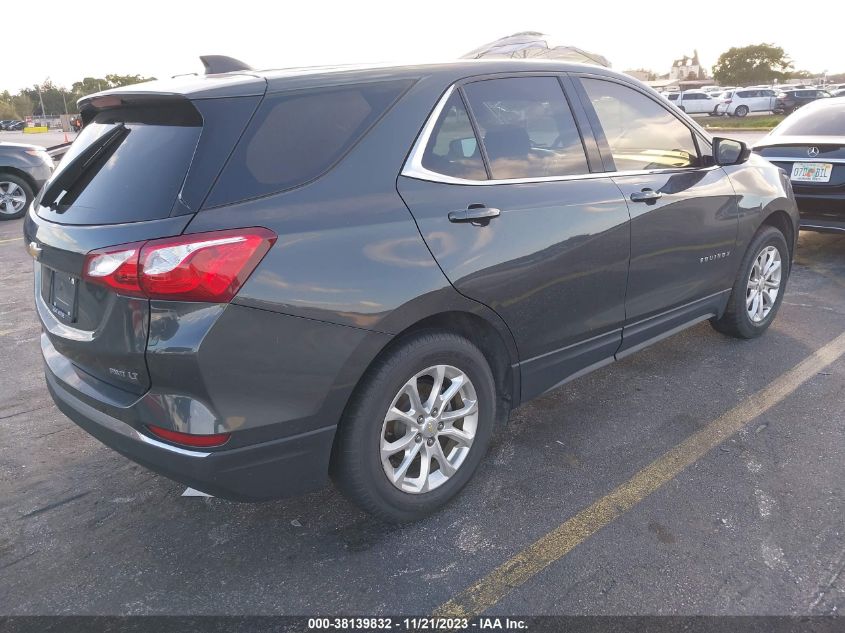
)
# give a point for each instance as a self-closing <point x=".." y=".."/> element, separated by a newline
<point x="216" y="64"/>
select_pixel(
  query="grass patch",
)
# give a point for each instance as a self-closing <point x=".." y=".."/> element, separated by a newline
<point x="744" y="123"/>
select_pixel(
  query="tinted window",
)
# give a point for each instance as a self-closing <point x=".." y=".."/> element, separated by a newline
<point x="453" y="149"/>
<point x="297" y="136"/>
<point x="527" y="128"/>
<point x="126" y="165"/>
<point x="640" y="132"/>
<point x="827" y="120"/>
<point x="673" y="97"/>
<point x="744" y="94"/>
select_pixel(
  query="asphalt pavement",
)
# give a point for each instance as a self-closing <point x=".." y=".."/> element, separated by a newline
<point x="44" y="139"/>
<point x="700" y="476"/>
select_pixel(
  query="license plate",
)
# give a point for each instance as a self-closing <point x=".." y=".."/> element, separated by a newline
<point x="63" y="296"/>
<point x="811" y="172"/>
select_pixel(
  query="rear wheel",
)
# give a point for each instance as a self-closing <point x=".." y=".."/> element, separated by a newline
<point x="417" y="428"/>
<point x="742" y="111"/>
<point x="759" y="287"/>
<point x="15" y="196"/>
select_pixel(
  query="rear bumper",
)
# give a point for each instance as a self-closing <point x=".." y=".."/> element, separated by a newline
<point x="824" y="213"/>
<point x="258" y="472"/>
<point x="822" y="225"/>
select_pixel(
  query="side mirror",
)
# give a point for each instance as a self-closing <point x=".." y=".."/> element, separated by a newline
<point x="727" y="151"/>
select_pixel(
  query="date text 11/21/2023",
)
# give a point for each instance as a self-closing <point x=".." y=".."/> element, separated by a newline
<point x="416" y="624"/>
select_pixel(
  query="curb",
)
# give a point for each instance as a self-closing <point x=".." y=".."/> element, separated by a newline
<point x="739" y="129"/>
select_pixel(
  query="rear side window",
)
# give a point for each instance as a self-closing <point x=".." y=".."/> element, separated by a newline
<point x="641" y="133"/>
<point x="527" y="128"/>
<point x="453" y="149"/>
<point x="297" y="136"/>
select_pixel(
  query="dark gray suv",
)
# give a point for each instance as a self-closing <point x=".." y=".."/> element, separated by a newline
<point x="250" y="281"/>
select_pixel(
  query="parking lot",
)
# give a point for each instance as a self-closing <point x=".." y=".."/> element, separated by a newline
<point x="44" y="139"/>
<point x="701" y="476"/>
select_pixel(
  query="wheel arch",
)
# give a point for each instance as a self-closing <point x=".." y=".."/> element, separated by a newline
<point x="486" y="337"/>
<point x="20" y="173"/>
<point x="479" y="330"/>
<point x="782" y="221"/>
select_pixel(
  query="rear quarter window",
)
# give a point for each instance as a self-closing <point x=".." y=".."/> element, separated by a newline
<point x="295" y="137"/>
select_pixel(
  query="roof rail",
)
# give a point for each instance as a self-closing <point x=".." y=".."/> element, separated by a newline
<point x="216" y="64"/>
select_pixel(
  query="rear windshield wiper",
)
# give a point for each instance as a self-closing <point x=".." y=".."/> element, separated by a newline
<point x="87" y="158"/>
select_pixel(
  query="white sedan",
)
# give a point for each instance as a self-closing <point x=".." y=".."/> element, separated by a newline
<point x="694" y="101"/>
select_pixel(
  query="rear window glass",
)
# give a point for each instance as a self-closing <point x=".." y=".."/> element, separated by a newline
<point x="296" y="137"/>
<point x="828" y="120"/>
<point x="126" y="165"/>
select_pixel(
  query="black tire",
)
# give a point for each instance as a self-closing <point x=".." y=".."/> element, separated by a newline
<point x="741" y="111"/>
<point x="682" y="108"/>
<point x="356" y="463"/>
<point x="23" y="184"/>
<point x="735" y="321"/>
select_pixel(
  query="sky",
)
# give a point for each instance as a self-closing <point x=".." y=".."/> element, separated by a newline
<point x="156" y="38"/>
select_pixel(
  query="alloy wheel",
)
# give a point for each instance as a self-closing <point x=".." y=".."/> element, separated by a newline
<point x="12" y="198"/>
<point x="429" y="429"/>
<point x="763" y="284"/>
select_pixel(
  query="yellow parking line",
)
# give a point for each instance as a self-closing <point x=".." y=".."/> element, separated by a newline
<point x="555" y="544"/>
<point x="14" y="239"/>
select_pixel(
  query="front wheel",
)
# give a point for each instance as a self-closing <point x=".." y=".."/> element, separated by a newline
<point x="759" y="287"/>
<point x="417" y="427"/>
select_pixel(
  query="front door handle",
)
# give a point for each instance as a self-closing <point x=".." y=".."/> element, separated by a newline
<point x="646" y="195"/>
<point x="476" y="213"/>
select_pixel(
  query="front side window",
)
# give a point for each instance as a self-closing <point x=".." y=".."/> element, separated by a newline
<point x="527" y="128"/>
<point x="453" y="149"/>
<point x="640" y="132"/>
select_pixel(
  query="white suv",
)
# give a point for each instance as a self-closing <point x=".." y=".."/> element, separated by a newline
<point x="741" y="101"/>
<point x="694" y="101"/>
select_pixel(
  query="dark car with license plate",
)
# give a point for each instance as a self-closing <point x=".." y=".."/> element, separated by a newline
<point x="810" y="146"/>
<point x="252" y="281"/>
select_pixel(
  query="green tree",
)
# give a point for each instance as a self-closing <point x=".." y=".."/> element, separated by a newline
<point x="23" y="105"/>
<point x="759" y="63"/>
<point x="90" y="85"/>
<point x="54" y="98"/>
<point x="7" y="108"/>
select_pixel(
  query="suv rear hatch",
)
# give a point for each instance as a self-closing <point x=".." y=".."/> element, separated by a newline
<point x="139" y="170"/>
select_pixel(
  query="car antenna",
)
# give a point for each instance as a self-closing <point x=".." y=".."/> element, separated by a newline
<point x="216" y="64"/>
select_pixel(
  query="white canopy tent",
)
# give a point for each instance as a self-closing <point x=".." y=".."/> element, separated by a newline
<point x="531" y="44"/>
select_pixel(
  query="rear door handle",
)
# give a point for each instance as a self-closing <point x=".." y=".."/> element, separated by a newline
<point x="475" y="213"/>
<point x="646" y="195"/>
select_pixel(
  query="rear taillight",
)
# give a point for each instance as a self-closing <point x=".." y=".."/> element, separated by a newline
<point x="729" y="101"/>
<point x="115" y="267"/>
<point x="189" y="439"/>
<point x="208" y="267"/>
